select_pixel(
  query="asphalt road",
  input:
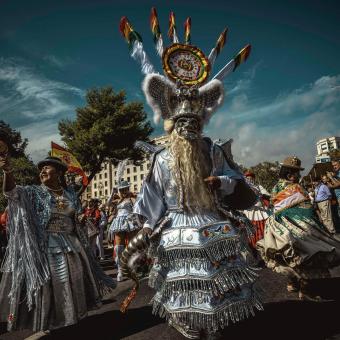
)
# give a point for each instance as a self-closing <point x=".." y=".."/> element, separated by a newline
<point x="284" y="316"/>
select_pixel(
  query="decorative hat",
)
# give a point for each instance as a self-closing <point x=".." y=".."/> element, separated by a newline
<point x="182" y="91"/>
<point x="292" y="162"/>
<point x="120" y="172"/>
<point x="55" y="161"/>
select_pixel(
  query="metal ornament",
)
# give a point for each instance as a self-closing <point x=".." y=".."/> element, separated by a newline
<point x="186" y="64"/>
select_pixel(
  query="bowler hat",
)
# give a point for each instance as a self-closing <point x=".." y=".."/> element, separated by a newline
<point x="292" y="162"/>
<point x="55" y="161"/>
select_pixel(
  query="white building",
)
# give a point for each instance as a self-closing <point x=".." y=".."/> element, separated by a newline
<point x="324" y="146"/>
<point x="102" y="184"/>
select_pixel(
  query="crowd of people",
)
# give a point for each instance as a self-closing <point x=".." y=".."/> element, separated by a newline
<point x="206" y="224"/>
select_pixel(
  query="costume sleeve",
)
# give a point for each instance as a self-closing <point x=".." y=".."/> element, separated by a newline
<point x="150" y="202"/>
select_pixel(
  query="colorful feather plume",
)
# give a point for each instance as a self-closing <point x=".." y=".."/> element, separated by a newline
<point x="232" y="65"/>
<point x="135" y="45"/>
<point x="218" y="47"/>
<point x="172" y="28"/>
<point x="187" y="31"/>
<point x="128" y="32"/>
<point x="156" y="31"/>
<point x="242" y="56"/>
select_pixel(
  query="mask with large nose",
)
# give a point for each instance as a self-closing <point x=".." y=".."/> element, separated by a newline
<point x="188" y="127"/>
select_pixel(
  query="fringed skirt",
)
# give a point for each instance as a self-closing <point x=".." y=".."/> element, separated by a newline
<point x="121" y="224"/>
<point x="66" y="298"/>
<point x="201" y="278"/>
<point x="295" y="244"/>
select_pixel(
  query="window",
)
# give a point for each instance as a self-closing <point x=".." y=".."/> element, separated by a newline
<point x="88" y="189"/>
<point x="100" y="176"/>
<point x="115" y="182"/>
<point x="106" y="192"/>
<point x="134" y="169"/>
<point x="141" y="167"/>
<point x="105" y="167"/>
<point x="100" y="193"/>
<point x="105" y="175"/>
<point x="128" y="170"/>
<point x="115" y="173"/>
<point x="95" y="185"/>
<point x="141" y="176"/>
<point x="135" y="178"/>
<point x="135" y="187"/>
<point x="128" y="179"/>
<point x="95" y="194"/>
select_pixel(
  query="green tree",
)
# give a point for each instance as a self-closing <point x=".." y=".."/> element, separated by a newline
<point x="267" y="174"/>
<point x="105" y="129"/>
<point x="25" y="172"/>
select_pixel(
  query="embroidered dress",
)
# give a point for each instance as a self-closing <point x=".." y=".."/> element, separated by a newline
<point x="258" y="214"/>
<point x="123" y="221"/>
<point x="294" y="241"/>
<point x="202" y="281"/>
<point x="50" y="278"/>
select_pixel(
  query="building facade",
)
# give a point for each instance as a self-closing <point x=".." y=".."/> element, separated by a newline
<point x="102" y="184"/>
<point x="324" y="146"/>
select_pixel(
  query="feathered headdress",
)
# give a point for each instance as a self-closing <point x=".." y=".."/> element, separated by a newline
<point x="184" y="90"/>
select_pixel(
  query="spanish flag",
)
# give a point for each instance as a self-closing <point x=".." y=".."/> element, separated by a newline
<point x="69" y="159"/>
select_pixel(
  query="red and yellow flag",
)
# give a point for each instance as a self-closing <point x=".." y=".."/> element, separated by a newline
<point x="154" y="25"/>
<point x="187" y="31"/>
<point x="221" y="41"/>
<point x="172" y="26"/>
<point x="242" y="56"/>
<point x="69" y="159"/>
<point x="128" y="32"/>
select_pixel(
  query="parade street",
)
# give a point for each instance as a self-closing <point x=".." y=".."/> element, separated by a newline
<point x="310" y="320"/>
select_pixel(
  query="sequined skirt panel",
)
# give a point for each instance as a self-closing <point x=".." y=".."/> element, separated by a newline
<point x="67" y="297"/>
<point x="201" y="278"/>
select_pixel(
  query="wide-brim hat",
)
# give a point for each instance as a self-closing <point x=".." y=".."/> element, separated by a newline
<point x="55" y="161"/>
<point x="123" y="184"/>
<point x="292" y="162"/>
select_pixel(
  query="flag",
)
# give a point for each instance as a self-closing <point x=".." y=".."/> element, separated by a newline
<point x="172" y="28"/>
<point x="218" y="47"/>
<point x="70" y="160"/>
<point x="156" y="31"/>
<point x="187" y="31"/>
<point x="128" y="32"/>
<point x="242" y="56"/>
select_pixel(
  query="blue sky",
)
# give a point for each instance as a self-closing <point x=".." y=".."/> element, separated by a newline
<point x="284" y="98"/>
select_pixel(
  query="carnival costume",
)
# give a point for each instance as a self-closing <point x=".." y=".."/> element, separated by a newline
<point x="51" y="278"/>
<point x="200" y="276"/>
<point x="295" y="243"/>
<point x="259" y="213"/>
<point x="123" y="221"/>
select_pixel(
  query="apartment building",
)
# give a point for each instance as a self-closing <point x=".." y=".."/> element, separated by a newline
<point x="324" y="146"/>
<point x="102" y="184"/>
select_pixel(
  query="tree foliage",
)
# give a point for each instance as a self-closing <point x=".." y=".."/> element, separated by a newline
<point x="25" y="172"/>
<point x="106" y="128"/>
<point x="267" y="174"/>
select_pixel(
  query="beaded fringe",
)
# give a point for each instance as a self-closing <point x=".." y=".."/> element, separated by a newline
<point x="222" y="282"/>
<point x="214" y="252"/>
<point x="234" y="312"/>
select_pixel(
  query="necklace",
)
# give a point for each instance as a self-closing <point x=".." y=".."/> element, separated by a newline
<point x="53" y="190"/>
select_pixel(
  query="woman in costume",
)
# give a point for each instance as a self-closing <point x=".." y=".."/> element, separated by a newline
<point x="191" y="192"/>
<point x="50" y="277"/>
<point x="123" y="225"/>
<point x="259" y="213"/>
<point x="295" y="243"/>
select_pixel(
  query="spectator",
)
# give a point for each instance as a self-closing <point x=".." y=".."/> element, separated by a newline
<point x="323" y="198"/>
<point x="92" y="220"/>
<point x="334" y="183"/>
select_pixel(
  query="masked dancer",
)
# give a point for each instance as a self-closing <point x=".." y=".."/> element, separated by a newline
<point x="201" y="279"/>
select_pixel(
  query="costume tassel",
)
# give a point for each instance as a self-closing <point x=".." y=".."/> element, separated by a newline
<point x="222" y="39"/>
<point x="135" y="45"/>
<point x="234" y="63"/>
<point x="156" y="31"/>
<point x="172" y="28"/>
<point x="125" y="304"/>
<point x="187" y="31"/>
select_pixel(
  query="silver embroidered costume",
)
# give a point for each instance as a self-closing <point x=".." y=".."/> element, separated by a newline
<point x="50" y="278"/>
<point x="200" y="276"/>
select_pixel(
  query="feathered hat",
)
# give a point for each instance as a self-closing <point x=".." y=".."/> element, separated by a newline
<point x="185" y="89"/>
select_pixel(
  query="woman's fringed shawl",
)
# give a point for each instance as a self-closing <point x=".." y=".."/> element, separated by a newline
<point x="29" y="209"/>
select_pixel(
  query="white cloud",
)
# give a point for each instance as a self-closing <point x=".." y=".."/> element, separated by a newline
<point x="31" y="94"/>
<point x="303" y="116"/>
